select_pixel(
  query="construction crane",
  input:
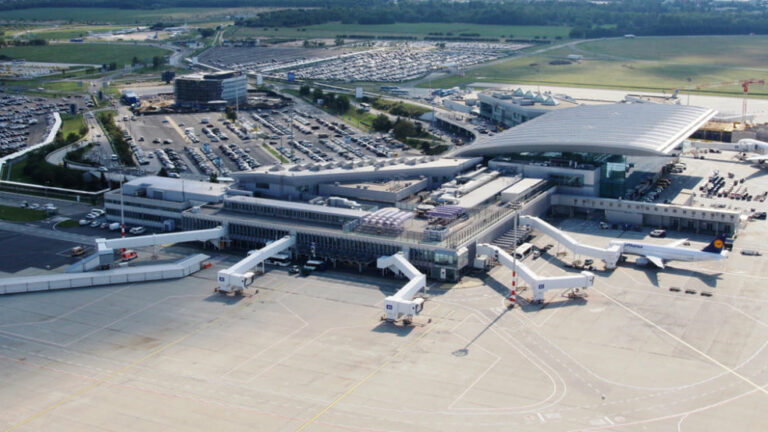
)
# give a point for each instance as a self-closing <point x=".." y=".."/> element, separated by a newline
<point x="744" y="85"/>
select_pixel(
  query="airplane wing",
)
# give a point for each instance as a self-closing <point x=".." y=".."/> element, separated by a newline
<point x="757" y="158"/>
<point x="677" y="243"/>
<point x="656" y="261"/>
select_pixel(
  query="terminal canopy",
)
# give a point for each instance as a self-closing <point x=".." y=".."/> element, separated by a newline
<point x="632" y="129"/>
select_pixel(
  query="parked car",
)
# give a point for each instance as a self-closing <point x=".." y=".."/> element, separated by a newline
<point x="137" y="230"/>
<point x="750" y="252"/>
<point x="83" y="222"/>
<point x="77" y="251"/>
<point x="658" y="233"/>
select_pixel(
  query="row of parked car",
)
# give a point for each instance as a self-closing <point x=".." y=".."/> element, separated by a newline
<point x="48" y="207"/>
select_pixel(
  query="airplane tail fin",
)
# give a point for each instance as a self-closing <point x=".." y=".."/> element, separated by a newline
<point x="716" y="246"/>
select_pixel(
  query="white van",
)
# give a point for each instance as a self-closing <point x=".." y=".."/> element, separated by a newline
<point x="523" y="250"/>
<point x="114" y="226"/>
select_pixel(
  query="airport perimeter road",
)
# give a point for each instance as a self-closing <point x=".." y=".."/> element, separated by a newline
<point x="95" y="135"/>
<point x="66" y="207"/>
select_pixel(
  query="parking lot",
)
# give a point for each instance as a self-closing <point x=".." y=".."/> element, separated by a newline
<point x="385" y="61"/>
<point x="253" y="59"/>
<point x="176" y="142"/>
<point x="196" y="145"/>
<point x="25" y="120"/>
<point x="320" y="137"/>
<point x="403" y="61"/>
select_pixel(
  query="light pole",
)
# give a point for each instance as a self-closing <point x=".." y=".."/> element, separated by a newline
<point x="122" y="207"/>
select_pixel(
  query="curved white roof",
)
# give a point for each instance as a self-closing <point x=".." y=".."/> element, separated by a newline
<point x="623" y="128"/>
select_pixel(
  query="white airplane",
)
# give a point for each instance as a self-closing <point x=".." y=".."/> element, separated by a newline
<point x="659" y="254"/>
<point x="759" y="148"/>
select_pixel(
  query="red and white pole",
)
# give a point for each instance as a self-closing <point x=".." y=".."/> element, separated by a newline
<point x="512" y="294"/>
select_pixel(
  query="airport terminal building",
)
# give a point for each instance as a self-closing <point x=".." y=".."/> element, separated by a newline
<point x="437" y="209"/>
<point x="513" y="108"/>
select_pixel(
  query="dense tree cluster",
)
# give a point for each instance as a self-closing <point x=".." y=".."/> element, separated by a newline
<point x="336" y="102"/>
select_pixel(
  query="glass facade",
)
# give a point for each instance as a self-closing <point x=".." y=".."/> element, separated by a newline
<point x="612" y="177"/>
<point x="298" y="213"/>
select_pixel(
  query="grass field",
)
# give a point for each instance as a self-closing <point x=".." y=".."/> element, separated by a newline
<point x="405" y="29"/>
<point x="17" y="214"/>
<point x="71" y="124"/>
<point x="84" y="53"/>
<point x="61" y="33"/>
<point x="656" y="64"/>
<point x="69" y="223"/>
<point x="126" y="16"/>
<point x="360" y="119"/>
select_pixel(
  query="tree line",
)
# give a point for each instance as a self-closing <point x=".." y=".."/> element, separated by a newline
<point x="160" y="4"/>
<point x="587" y="19"/>
<point x="641" y="17"/>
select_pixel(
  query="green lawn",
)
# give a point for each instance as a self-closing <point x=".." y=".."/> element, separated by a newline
<point x="71" y="124"/>
<point x="656" y="64"/>
<point x="18" y="214"/>
<point x="64" y="86"/>
<point x="126" y="16"/>
<point x="330" y="30"/>
<point x="744" y="51"/>
<point x="358" y="118"/>
<point x="69" y="223"/>
<point x="90" y="53"/>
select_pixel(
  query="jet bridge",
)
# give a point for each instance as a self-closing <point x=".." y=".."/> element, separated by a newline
<point x="158" y="239"/>
<point x="105" y="247"/>
<point x="538" y="284"/>
<point x="402" y="303"/>
<point x="239" y="276"/>
<point x="610" y="256"/>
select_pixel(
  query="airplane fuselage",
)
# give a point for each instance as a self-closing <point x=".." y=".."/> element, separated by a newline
<point x="666" y="253"/>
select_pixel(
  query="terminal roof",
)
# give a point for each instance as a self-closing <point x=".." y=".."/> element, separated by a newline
<point x="639" y="129"/>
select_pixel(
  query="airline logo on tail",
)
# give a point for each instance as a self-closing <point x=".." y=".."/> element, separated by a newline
<point x="716" y="246"/>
